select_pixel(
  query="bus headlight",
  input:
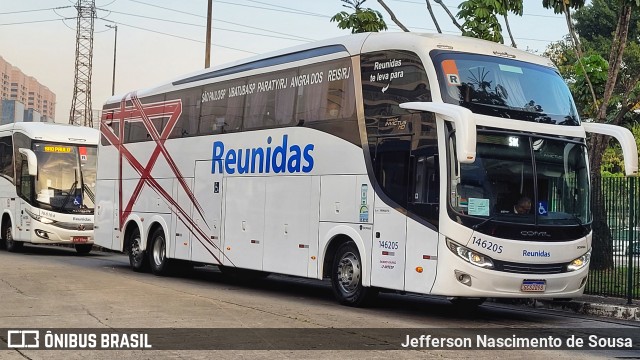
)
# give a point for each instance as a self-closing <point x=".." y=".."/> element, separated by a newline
<point x="580" y="262"/>
<point x="469" y="255"/>
<point x="39" y="218"/>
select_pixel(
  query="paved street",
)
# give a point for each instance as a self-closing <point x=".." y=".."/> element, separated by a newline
<point x="48" y="287"/>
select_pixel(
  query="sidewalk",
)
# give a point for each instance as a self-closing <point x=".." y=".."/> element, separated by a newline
<point x="610" y="307"/>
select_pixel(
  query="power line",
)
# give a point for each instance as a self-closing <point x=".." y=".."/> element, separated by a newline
<point x="176" y="36"/>
<point x="456" y="8"/>
<point x="293" y="11"/>
<point x="222" y="21"/>
<point x="34" y="10"/>
<point x="199" y="25"/>
<point x="288" y="8"/>
<point x="36" y="21"/>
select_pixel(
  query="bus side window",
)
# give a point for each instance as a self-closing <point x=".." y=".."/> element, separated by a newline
<point x="426" y="184"/>
<point x="25" y="185"/>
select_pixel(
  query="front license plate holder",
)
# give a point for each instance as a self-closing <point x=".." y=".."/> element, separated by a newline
<point x="533" y="285"/>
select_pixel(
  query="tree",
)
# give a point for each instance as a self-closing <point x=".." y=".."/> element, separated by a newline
<point x="480" y="17"/>
<point x="361" y="20"/>
<point x="610" y="68"/>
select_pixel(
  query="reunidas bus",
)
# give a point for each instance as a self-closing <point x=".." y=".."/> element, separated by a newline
<point x="47" y="184"/>
<point x="380" y="161"/>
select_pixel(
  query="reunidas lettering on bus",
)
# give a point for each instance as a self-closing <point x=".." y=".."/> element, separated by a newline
<point x="279" y="159"/>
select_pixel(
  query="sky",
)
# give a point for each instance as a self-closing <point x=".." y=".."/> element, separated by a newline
<point x="159" y="40"/>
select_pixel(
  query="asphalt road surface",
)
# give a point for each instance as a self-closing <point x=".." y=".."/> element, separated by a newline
<point x="54" y="288"/>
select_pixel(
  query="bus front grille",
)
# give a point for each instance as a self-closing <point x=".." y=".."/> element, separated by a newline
<point x="529" y="268"/>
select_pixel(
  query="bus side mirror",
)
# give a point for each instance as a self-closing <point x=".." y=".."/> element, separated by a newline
<point x="463" y="120"/>
<point x="32" y="161"/>
<point x="626" y="139"/>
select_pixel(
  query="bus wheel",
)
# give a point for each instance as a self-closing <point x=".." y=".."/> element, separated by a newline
<point x="137" y="257"/>
<point x="83" y="248"/>
<point x="346" y="277"/>
<point x="12" y="245"/>
<point x="158" y="253"/>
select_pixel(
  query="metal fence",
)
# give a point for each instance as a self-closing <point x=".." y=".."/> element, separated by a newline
<point x="617" y="273"/>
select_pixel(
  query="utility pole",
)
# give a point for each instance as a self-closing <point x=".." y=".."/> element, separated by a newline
<point x="207" y="51"/>
<point x="115" y="45"/>
<point x="81" y="111"/>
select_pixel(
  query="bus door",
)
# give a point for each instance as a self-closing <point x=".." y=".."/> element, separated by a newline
<point x="106" y="232"/>
<point x="180" y="223"/>
<point x="208" y="192"/>
<point x="244" y="203"/>
<point x="390" y="156"/>
<point x="25" y="191"/>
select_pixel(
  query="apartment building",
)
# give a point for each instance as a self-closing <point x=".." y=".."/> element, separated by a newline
<point x="16" y="85"/>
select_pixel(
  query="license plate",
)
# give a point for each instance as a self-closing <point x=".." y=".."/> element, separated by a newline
<point x="79" y="239"/>
<point x="533" y="285"/>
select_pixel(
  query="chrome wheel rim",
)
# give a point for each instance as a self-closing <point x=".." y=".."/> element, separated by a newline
<point x="158" y="251"/>
<point x="8" y="237"/>
<point x="349" y="273"/>
<point x="136" y="253"/>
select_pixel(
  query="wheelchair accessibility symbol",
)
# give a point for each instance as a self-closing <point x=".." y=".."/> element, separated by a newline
<point x="543" y="208"/>
<point x="77" y="201"/>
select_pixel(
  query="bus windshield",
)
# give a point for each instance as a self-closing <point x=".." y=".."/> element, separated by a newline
<point x="505" y="88"/>
<point x="522" y="179"/>
<point x="66" y="177"/>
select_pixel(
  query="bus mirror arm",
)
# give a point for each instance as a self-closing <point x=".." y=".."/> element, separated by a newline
<point x="463" y="120"/>
<point x="32" y="161"/>
<point x="626" y="140"/>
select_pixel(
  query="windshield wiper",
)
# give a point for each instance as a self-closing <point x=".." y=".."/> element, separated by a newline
<point x="490" y="218"/>
<point x="87" y="189"/>
<point x="71" y="191"/>
<point x="578" y="221"/>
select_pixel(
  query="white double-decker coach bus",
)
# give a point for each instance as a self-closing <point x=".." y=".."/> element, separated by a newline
<point x="399" y="161"/>
<point x="47" y="184"/>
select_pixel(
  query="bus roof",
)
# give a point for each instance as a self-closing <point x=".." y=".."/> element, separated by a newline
<point x="351" y="45"/>
<point x="62" y="133"/>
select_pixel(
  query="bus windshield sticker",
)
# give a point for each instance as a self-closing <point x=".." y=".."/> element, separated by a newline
<point x="83" y="153"/>
<point x="364" y="207"/>
<point x="509" y="68"/>
<point x="451" y="72"/>
<point x="479" y="207"/>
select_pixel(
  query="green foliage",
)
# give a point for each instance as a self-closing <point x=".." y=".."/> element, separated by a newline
<point x="360" y="20"/>
<point x="563" y="57"/>
<point x="480" y="17"/>
<point x="596" y="67"/>
<point x="558" y="5"/>
<point x="612" y="160"/>
<point x="596" y="24"/>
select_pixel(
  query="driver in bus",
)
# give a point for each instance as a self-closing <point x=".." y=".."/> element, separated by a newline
<point x="522" y="206"/>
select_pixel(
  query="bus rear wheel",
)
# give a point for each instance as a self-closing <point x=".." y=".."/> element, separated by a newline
<point x="346" y="277"/>
<point x="160" y="265"/>
<point x="83" y="249"/>
<point x="12" y="245"/>
<point x="137" y="257"/>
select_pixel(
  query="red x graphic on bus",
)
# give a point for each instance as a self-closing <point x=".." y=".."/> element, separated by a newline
<point x="133" y="111"/>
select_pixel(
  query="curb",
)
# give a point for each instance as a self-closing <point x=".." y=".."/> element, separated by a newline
<point x="622" y="312"/>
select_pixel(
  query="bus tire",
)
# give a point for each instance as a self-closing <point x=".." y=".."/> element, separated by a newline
<point x="83" y="249"/>
<point x="138" y="259"/>
<point x="12" y="245"/>
<point x="160" y="265"/>
<point x="346" y="277"/>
